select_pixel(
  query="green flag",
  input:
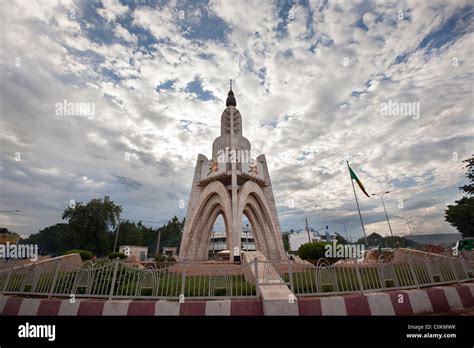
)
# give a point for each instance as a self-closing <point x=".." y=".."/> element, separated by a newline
<point x="354" y="177"/>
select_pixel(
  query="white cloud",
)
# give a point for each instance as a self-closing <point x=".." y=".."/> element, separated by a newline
<point x="112" y="9"/>
<point x="293" y="88"/>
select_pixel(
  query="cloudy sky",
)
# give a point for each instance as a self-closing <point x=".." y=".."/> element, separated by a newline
<point x="312" y="79"/>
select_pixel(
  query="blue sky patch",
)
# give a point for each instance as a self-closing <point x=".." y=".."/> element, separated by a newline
<point x="454" y="27"/>
<point x="168" y="85"/>
<point x="196" y="88"/>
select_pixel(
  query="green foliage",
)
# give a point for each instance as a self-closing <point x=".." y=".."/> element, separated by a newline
<point x="130" y="233"/>
<point x="163" y="258"/>
<point x="85" y="254"/>
<point x="312" y="251"/>
<point x="373" y="239"/>
<point x="129" y="282"/>
<point x="171" y="233"/>
<point x="89" y="227"/>
<point x="4" y="230"/>
<point x="461" y="215"/>
<point x="113" y="256"/>
<point x="376" y="239"/>
<point x="341" y="240"/>
<point x="93" y="226"/>
<point x="399" y="242"/>
<point x="93" y="223"/>
<point x="469" y="188"/>
<point x="53" y="240"/>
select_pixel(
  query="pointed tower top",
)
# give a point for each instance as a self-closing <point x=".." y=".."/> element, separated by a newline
<point x="230" y="97"/>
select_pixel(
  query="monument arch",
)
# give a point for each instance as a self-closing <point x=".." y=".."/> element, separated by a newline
<point x="231" y="189"/>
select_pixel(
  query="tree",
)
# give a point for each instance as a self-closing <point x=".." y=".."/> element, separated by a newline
<point x="461" y="215"/>
<point x="52" y="240"/>
<point x="341" y="240"/>
<point x="93" y="223"/>
<point x="400" y="242"/>
<point x="373" y="239"/>
<point x="171" y="233"/>
<point x="376" y="239"/>
<point x="469" y="188"/>
<point x="130" y="233"/>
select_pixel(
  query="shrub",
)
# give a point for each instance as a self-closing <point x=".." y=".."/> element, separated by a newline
<point x="120" y="255"/>
<point x="85" y="254"/>
<point x="163" y="258"/>
<point x="312" y="251"/>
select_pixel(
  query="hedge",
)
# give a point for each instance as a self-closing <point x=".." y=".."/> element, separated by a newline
<point x="117" y="254"/>
<point x="85" y="254"/>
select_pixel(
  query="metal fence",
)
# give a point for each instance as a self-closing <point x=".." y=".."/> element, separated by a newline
<point x="116" y="280"/>
<point x="353" y="276"/>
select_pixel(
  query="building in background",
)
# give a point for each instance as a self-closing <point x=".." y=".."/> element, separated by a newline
<point x="299" y="238"/>
<point x="170" y="251"/>
<point x="219" y="241"/>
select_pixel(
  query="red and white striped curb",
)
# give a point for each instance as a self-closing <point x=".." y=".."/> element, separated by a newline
<point x="91" y="307"/>
<point x="441" y="299"/>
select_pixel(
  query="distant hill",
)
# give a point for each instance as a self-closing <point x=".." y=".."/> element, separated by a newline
<point x="447" y="239"/>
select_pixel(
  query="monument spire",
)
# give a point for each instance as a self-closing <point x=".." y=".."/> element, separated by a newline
<point x="230" y="97"/>
<point x="231" y="184"/>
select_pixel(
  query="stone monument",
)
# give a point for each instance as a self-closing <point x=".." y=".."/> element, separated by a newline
<point x="231" y="184"/>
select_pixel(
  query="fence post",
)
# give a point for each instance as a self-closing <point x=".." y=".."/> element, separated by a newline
<point x="290" y="274"/>
<point x="55" y="278"/>
<point x="412" y="269"/>
<point x="183" y="279"/>
<point x="463" y="262"/>
<point x="257" y="290"/>
<point x="359" y="279"/>
<point x="5" y="285"/>
<point x="453" y="269"/>
<point x="114" y="276"/>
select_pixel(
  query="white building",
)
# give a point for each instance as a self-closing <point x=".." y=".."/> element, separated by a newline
<point x="299" y="238"/>
<point x="219" y="241"/>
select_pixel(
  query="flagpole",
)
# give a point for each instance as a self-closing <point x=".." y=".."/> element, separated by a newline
<point x="358" y="208"/>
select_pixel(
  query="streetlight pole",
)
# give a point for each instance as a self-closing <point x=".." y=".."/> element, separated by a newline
<point x="410" y="224"/>
<point x="307" y="229"/>
<point x="385" y="210"/>
<point x="10" y="211"/>
<point x="158" y="240"/>
<point x="345" y="231"/>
